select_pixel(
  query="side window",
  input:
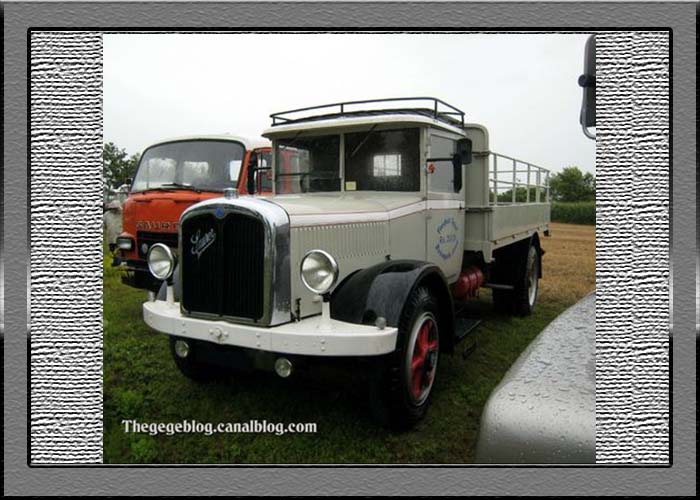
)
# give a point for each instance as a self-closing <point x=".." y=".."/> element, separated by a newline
<point x="265" y="176"/>
<point x="440" y="181"/>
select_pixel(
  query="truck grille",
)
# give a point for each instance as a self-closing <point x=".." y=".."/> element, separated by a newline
<point x="223" y="264"/>
<point x="145" y="239"/>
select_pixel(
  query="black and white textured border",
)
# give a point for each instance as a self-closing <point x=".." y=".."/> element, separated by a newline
<point x="632" y="247"/>
<point x="632" y="254"/>
<point x="66" y="247"/>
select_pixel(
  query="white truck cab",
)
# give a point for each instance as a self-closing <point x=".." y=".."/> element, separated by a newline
<point x="384" y="214"/>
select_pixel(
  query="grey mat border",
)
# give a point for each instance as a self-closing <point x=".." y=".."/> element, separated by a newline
<point x="387" y="480"/>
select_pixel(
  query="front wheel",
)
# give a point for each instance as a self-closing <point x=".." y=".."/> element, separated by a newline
<point x="403" y="381"/>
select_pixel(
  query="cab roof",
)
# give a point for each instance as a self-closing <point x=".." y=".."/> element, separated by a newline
<point x="248" y="143"/>
<point x="404" y="110"/>
<point x="351" y="121"/>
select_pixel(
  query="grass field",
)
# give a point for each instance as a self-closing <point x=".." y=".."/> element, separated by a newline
<point x="142" y="383"/>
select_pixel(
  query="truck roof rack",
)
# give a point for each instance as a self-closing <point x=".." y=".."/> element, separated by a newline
<point x="437" y="109"/>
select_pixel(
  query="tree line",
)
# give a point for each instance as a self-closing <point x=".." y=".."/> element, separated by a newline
<point x="117" y="165"/>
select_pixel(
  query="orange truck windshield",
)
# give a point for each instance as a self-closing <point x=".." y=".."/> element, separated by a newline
<point x="203" y="165"/>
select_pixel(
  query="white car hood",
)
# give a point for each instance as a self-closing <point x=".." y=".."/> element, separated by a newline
<point x="344" y="207"/>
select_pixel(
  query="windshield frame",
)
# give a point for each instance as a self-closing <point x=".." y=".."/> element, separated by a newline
<point x="170" y="187"/>
<point x="341" y="133"/>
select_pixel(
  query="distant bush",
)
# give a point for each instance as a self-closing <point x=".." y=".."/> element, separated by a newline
<point x="577" y="212"/>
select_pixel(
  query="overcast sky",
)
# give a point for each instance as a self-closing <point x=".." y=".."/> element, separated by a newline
<point x="522" y="87"/>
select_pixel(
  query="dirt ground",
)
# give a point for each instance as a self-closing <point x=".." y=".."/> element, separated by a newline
<point x="568" y="264"/>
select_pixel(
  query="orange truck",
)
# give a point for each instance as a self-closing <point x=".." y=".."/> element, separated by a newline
<point x="173" y="175"/>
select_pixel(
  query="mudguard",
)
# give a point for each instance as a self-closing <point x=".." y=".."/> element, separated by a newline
<point x="383" y="290"/>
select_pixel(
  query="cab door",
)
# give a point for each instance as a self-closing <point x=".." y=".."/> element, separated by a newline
<point x="445" y="204"/>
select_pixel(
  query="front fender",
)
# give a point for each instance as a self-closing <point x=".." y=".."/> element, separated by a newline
<point x="383" y="290"/>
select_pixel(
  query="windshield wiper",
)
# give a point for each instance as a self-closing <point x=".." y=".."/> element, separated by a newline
<point x="180" y="186"/>
<point x="172" y="186"/>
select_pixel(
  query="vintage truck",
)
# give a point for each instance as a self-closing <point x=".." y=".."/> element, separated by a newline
<point x="391" y="213"/>
<point x="173" y="175"/>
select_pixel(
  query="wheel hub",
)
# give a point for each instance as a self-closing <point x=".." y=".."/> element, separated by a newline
<point x="423" y="360"/>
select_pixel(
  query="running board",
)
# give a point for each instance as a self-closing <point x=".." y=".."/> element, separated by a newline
<point x="496" y="286"/>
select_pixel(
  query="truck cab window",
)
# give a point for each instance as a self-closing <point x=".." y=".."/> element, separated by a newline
<point x="195" y="172"/>
<point x="196" y="164"/>
<point x="387" y="165"/>
<point x="308" y="164"/>
<point x="265" y="176"/>
<point x="234" y="170"/>
<point x="386" y="160"/>
<point x="441" y="180"/>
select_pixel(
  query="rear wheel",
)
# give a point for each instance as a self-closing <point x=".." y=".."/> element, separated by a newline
<point x="522" y="298"/>
<point x="403" y="381"/>
<point x="527" y="287"/>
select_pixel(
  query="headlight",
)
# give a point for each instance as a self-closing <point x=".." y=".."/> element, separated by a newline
<point x="161" y="261"/>
<point x="319" y="271"/>
<point x="124" y="243"/>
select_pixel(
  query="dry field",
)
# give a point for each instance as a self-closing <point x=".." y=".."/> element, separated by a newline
<point x="569" y="263"/>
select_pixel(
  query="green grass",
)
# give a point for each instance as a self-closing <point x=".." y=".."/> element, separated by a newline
<point x="142" y="383"/>
<point x="579" y="212"/>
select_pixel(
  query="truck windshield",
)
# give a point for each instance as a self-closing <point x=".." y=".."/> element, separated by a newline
<point x="307" y="164"/>
<point x="203" y="165"/>
<point x="386" y="160"/>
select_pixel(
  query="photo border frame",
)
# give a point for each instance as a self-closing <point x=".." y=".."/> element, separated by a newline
<point x="677" y="248"/>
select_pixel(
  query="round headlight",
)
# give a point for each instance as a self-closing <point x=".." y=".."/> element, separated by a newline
<point x="319" y="271"/>
<point x="161" y="261"/>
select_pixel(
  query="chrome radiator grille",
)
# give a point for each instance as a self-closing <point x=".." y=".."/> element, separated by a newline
<point x="223" y="266"/>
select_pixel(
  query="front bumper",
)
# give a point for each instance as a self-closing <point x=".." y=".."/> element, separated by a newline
<point x="311" y="336"/>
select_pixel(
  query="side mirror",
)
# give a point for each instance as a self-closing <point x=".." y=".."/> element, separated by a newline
<point x="464" y="151"/>
<point x="587" y="81"/>
<point x="457" y="163"/>
<point x="252" y="169"/>
<point x="128" y="181"/>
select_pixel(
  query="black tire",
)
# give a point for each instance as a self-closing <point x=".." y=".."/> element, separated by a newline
<point x="527" y="284"/>
<point x="399" y="395"/>
<point x="190" y="366"/>
<point x="519" y="266"/>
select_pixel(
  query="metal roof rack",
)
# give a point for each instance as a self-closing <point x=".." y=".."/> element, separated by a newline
<point x="434" y="110"/>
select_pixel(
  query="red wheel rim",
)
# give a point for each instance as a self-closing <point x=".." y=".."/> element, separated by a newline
<point x="423" y="359"/>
